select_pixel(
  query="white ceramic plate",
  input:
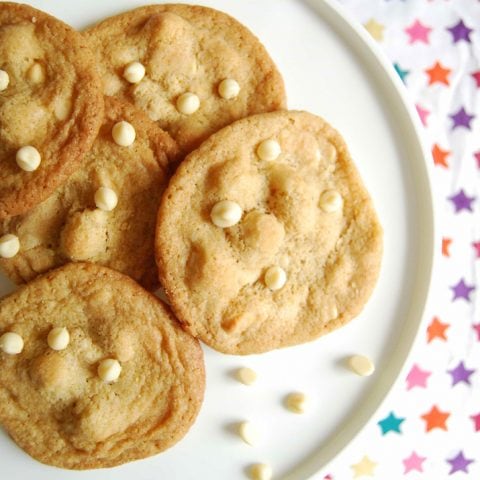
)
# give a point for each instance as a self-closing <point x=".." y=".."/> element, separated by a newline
<point x="332" y="68"/>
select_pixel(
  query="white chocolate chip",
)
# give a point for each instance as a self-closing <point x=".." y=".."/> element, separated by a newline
<point x="106" y="199"/>
<point x="296" y="402"/>
<point x="28" y="158"/>
<point x="123" y="134"/>
<point x="109" y="370"/>
<point x="331" y="201"/>
<point x="261" y="471"/>
<point x="11" y="343"/>
<point x="275" y="278"/>
<point x="36" y="73"/>
<point x="188" y="103"/>
<point x="226" y="213"/>
<point x="4" y="80"/>
<point x="58" y="338"/>
<point x="134" y="72"/>
<point x="249" y="433"/>
<point x="269" y="150"/>
<point x="228" y="88"/>
<point x="361" y="365"/>
<point x="9" y="245"/>
<point x="246" y="375"/>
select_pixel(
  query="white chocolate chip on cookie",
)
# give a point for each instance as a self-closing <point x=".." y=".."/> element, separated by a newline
<point x="249" y="433"/>
<point x="9" y="245"/>
<point x="228" y="88"/>
<point x="188" y="103"/>
<point x="123" y="134"/>
<point x="269" y="150"/>
<point x="296" y="402"/>
<point x="246" y="375"/>
<point x="106" y="199"/>
<point x="261" y="471"/>
<point x="58" y="338"/>
<point x="11" y="343"/>
<point x="331" y="201"/>
<point x="275" y="278"/>
<point x="36" y="73"/>
<point x="109" y="370"/>
<point x="226" y="213"/>
<point x="361" y="365"/>
<point x="134" y="72"/>
<point x="28" y="158"/>
<point x="4" y="80"/>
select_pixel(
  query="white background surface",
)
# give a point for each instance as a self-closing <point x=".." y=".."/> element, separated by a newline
<point x="330" y="72"/>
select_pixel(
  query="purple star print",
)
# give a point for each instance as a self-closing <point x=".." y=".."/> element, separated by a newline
<point x="461" y="119"/>
<point x="459" y="463"/>
<point x="460" y="32"/>
<point x="462" y="201"/>
<point x="462" y="290"/>
<point x="460" y="374"/>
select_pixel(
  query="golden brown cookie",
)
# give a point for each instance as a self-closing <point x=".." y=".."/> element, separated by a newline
<point x="51" y="105"/>
<point x="266" y="236"/>
<point x="99" y="372"/>
<point x="75" y="223"/>
<point x="186" y="49"/>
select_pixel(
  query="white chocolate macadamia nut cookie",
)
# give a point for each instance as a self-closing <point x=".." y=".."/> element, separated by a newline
<point x="192" y="69"/>
<point x="301" y="259"/>
<point x="94" y="370"/>
<point x="51" y="105"/>
<point x="105" y="212"/>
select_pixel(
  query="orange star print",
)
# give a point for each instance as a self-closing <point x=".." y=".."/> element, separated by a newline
<point x="438" y="74"/>
<point x="440" y="156"/>
<point x="435" y="418"/>
<point x="437" y="329"/>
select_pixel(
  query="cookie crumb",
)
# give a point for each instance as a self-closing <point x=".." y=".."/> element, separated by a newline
<point x="361" y="365"/>
<point x="246" y="375"/>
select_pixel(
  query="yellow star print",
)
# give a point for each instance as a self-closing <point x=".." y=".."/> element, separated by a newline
<point x="375" y="29"/>
<point x="364" y="467"/>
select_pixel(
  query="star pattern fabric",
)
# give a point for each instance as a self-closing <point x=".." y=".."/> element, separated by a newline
<point x="429" y="427"/>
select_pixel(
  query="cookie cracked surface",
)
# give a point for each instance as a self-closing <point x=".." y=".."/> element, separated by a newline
<point x="305" y="254"/>
<point x="66" y="407"/>
<point x="186" y="53"/>
<point x="52" y="102"/>
<point x="68" y="226"/>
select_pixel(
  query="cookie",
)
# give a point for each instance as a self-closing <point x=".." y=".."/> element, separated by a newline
<point x="106" y="211"/>
<point x="266" y="236"/>
<point x="51" y="105"/>
<point x="104" y="374"/>
<point x="192" y="69"/>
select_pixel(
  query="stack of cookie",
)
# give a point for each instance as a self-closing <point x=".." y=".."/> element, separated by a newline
<point x="155" y="146"/>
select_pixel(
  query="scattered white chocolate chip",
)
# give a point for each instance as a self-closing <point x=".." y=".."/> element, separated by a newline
<point x="331" y="201"/>
<point x="228" y="88"/>
<point x="134" y="72"/>
<point x="361" y="365"/>
<point x="106" y="199"/>
<point x="226" y="213"/>
<point x="296" y="402"/>
<point x="28" y="158"/>
<point x="275" y="278"/>
<point x="4" y="80"/>
<point x="269" y="150"/>
<point x="9" y="245"/>
<point x="109" y="370"/>
<point x="123" y="134"/>
<point x="261" y="471"/>
<point x="58" y="338"/>
<point x="188" y="103"/>
<point x="11" y="343"/>
<point x="249" y="433"/>
<point x="246" y="375"/>
<point x="36" y="73"/>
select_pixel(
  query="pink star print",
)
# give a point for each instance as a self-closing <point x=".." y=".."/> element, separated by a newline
<point x="417" y="377"/>
<point x="418" y="32"/>
<point x="413" y="463"/>
<point x="423" y="113"/>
